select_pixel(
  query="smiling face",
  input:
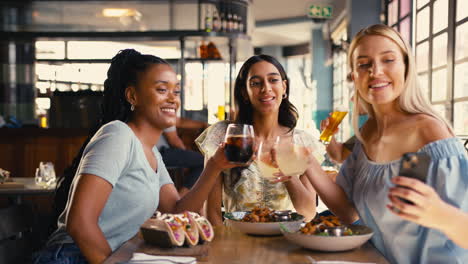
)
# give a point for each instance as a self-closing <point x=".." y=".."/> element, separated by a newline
<point x="265" y="87"/>
<point x="156" y="96"/>
<point x="378" y="69"/>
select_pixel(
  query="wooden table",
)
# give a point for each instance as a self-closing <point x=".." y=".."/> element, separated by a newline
<point x="27" y="187"/>
<point x="232" y="247"/>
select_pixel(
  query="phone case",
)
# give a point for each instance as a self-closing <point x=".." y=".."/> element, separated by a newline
<point x="415" y="165"/>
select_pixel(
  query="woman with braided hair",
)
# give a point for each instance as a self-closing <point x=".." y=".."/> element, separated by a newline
<point x="118" y="180"/>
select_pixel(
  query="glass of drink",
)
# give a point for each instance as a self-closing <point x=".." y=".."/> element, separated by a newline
<point x="45" y="175"/>
<point x="335" y="119"/>
<point x="266" y="159"/>
<point x="293" y="155"/>
<point x="239" y="142"/>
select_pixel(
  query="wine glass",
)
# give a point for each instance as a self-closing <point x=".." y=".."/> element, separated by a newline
<point x="267" y="164"/>
<point x="266" y="160"/>
<point x="239" y="142"/>
<point x="293" y="154"/>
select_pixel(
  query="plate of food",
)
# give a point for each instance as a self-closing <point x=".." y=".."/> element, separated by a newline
<point x="326" y="233"/>
<point x="172" y="230"/>
<point x="262" y="221"/>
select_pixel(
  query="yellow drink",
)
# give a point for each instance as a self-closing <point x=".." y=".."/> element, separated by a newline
<point x="221" y="112"/>
<point x="335" y="120"/>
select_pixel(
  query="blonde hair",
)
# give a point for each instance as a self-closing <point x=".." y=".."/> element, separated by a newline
<point x="411" y="99"/>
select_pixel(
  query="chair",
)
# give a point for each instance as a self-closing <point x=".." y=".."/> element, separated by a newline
<point x="16" y="234"/>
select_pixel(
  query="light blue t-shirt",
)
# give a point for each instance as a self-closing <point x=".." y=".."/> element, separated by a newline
<point x="367" y="184"/>
<point x="116" y="155"/>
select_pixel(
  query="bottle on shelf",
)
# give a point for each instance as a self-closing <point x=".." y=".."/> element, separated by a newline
<point x="229" y="22"/>
<point x="241" y="24"/>
<point x="235" y="23"/>
<point x="216" y="21"/>
<point x="208" y="18"/>
<point x="223" y="22"/>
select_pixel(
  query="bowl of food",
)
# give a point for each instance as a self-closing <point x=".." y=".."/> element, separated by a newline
<point x="327" y="234"/>
<point x="262" y="221"/>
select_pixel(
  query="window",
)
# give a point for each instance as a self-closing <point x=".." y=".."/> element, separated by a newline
<point x="442" y="57"/>
<point x="301" y="95"/>
<point x="399" y="17"/>
<point x="460" y="119"/>
<point x="341" y="87"/>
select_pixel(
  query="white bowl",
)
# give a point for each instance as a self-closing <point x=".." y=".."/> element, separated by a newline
<point x="327" y="243"/>
<point x="234" y="219"/>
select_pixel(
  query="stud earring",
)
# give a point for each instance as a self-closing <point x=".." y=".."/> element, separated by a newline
<point x="285" y="95"/>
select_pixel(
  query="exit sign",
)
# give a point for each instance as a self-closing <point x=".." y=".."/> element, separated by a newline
<point x="320" y="11"/>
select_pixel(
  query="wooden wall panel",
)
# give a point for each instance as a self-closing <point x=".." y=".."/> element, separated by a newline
<point x="7" y="156"/>
<point x="21" y="150"/>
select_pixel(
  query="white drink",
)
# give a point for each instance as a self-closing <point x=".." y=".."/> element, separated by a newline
<point x="292" y="159"/>
<point x="267" y="170"/>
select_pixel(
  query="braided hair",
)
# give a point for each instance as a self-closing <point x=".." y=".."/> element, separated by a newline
<point x="123" y="72"/>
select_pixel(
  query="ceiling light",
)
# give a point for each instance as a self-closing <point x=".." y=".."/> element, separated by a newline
<point x="118" y="12"/>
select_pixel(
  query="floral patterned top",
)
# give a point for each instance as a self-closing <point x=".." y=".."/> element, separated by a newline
<point x="245" y="191"/>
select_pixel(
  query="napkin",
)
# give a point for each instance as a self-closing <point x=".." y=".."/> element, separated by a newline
<point x="148" y="259"/>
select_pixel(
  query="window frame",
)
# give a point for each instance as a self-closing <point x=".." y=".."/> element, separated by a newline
<point x="400" y="18"/>
<point x="452" y="25"/>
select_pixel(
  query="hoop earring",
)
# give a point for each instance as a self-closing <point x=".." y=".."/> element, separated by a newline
<point x="285" y="95"/>
<point x="132" y="108"/>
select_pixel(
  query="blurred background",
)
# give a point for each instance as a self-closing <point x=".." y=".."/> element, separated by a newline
<point x="54" y="56"/>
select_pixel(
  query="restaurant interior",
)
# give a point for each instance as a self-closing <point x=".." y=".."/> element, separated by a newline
<point x="55" y="55"/>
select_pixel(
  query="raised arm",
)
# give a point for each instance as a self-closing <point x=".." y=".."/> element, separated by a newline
<point x="214" y="203"/>
<point x="87" y="202"/>
<point x="337" y="151"/>
<point x="331" y="194"/>
<point x="194" y="199"/>
<point x="302" y="196"/>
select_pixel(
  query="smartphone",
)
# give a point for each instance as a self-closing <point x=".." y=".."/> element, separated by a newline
<point x="414" y="165"/>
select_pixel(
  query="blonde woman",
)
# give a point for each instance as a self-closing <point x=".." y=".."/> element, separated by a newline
<point x="433" y="229"/>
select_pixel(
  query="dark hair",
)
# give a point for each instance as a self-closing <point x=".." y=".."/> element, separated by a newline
<point x="244" y="111"/>
<point x="123" y="71"/>
<point x="287" y="115"/>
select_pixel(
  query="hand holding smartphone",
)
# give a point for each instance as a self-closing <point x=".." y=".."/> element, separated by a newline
<point x="414" y="165"/>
